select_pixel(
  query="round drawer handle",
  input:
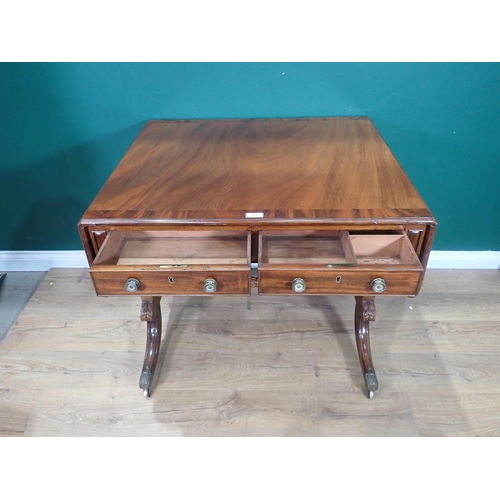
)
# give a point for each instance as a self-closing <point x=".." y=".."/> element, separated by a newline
<point x="298" y="285"/>
<point x="132" y="285"/>
<point x="378" y="285"/>
<point x="210" y="285"/>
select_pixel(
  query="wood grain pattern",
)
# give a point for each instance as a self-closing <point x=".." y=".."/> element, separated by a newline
<point x="172" y="281"/>
<point x="353" y="281"/>
<point x="252" y="366"/>
<point x="298" y="173"/>
<point x="285" y="168"/>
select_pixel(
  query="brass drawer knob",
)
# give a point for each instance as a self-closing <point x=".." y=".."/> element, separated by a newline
<point x="378" y="285"/>
<point x="132" y="285"/>
<point x="210" y="285"/>
<point x="298" y="285"/>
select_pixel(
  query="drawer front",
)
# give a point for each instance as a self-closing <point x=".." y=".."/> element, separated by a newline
<point x="338" y="282"/>
<point x="171" y="282"/>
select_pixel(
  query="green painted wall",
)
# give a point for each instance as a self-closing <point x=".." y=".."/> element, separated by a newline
<point x="64" y="127"/>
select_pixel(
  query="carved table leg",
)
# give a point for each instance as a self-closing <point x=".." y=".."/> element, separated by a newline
<point x="364" y="313"/>
<point x="151" y="313"/>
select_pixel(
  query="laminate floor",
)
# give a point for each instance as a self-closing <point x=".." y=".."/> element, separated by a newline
<point x="16" y="289"/>
<point x="257" y="366"/>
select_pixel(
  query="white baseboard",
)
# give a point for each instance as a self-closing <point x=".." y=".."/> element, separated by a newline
<point x="44" y="260"/>
<point x="442" y="259"/>
<point x="41" y="260"/>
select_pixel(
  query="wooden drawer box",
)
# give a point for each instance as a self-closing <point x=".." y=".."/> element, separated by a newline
<point x="336" y="262"/>
<point x="173" y="263"/>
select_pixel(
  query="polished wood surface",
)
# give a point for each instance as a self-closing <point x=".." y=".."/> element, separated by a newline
<point x="301" y="169"/>
<point x="347" y="281"/>
<point x="171" y="281"/>
<point x="258" y="366"/>
<point x="363" y="314"/>
<point x="151" y="314"/>
<point x="253" y="175"/>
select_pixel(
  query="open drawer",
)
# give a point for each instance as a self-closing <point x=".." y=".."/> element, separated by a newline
<point x="337" y="263"/>
<point x="173" y="263"/>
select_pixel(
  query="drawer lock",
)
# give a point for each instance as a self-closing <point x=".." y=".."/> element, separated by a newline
<point x="378" y="285"/>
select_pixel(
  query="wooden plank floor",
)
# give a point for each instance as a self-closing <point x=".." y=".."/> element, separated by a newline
<point x="273" y="366"/>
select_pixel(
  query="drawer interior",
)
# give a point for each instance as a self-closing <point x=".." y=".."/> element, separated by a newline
<point x="305" y="247"/>
<point x="276" y="249"/>
<point x="383" y="249"/>
<point x="174" y="248"/>
<point x="334" y="248"/>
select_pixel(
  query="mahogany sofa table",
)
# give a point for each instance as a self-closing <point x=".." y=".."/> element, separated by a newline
<point x="315" y="206"/>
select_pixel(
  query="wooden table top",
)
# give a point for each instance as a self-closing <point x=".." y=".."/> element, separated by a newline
<point x="314" y="169"/>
